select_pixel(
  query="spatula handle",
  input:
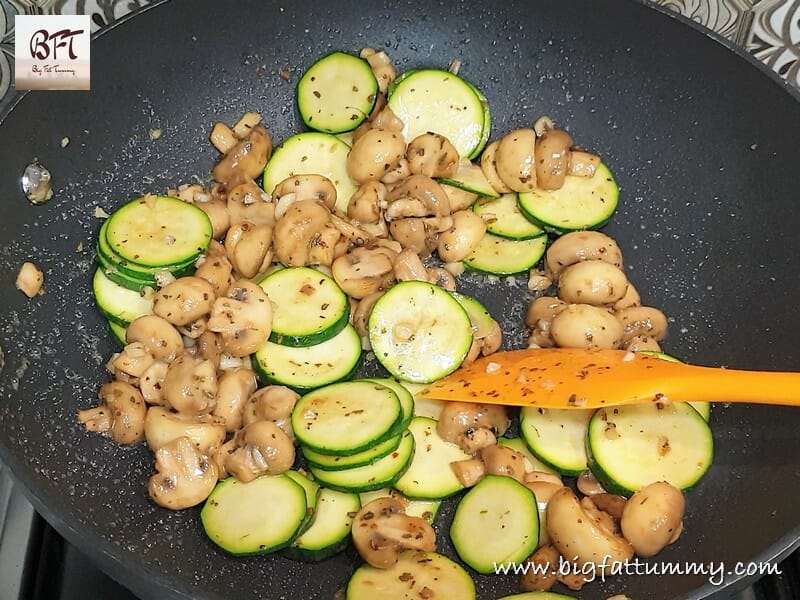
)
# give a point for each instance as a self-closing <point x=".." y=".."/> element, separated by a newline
<point x="729" y="385"/>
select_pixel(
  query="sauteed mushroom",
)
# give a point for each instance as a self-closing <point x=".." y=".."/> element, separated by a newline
<point x="502" y="460"/>
<point x="184" y="300"/>
<point x="552" y="158"/>
<point x="246" y="159"/>
<point x="652" y="518"/>
<point x="432" y="155"/>
<point x="190" y="385"/>
<point x="303" y="187"/>
<point x="134" y="360"/>
<point x="235" y="387"/>
<point x="374" y="154"/>
<point x="489" y="168"/>
<point x="162" y="426"/>
<point x="592" y="282"/>
<point x="470" y="471"/>
<point x="249" y="247"/>
<point x="367" y="203"/>
<point x="642" y="321"/>
<point x="381" y="530"/>
<point x="462" y="237"/>
<point x="578" y="246"/>
<point x="30" y="279"/>
<point x="472" y="426"/>
<point x="514" y="160"/>
<point x="184" y="476"/>
<point x="217" y="270"/>
<point x="243" y="318"/>
<point x="156" y="334"/>
<point x="544" y="575"/>
<point x="585" y="326"/>
<point x="301" y="236"/>
<point x="363" y="271"/>
<point x="261" y="448"/>
<point x="248" y="202"/>
<point x="272" y="403"/>
<point x="151" y="383"/>
<point x="381" y="66"/>
<point x="121" y="413"/>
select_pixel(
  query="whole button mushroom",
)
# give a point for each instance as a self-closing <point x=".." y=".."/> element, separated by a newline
<point x="157" y="335"/>
<point x="243" y="318"/>
<point x="515" y="160"/>
<point x="638" y="321"/>
<point x="272" y="403"/>
<point x="190" y="385"/>
<point x="184" y="475"/>
<point x="121" y="413"/>
<point x="585" y="326"/>
<point x="472" y="426"/>
<point x="578" y="246"/>
<point x="374" y="154"/>
<point x="652" y="518"/>
<point x="261" y="448"/>
<point x="432" y="155"/>
<point x="184" y="300"/>
<point x="592" y="282"/>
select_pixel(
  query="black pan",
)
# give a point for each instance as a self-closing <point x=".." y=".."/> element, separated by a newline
<point x="704" y="146"/>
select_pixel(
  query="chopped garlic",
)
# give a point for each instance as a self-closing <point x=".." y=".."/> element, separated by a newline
<point x="493" y="367"/>
<point x="30" y="279"/>
<point x="100" y="213"/>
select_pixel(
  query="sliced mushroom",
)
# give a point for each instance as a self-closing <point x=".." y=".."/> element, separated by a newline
<point x="304" y="187"/>
<point x="552" y="158"/>
<point x="459" y="199"/>
<point x="121" y="413"/>
<point x="629" y="300"/>
<point x="418" y="234"/>
<point x="217" y="211"/>
<point x="588" y="484"/>
<point x="235" y="387"/>
<point x="575" y="533"/>
<point x="442" y="277"/>
<point x="544" y="572"/>
<point x="470" y="471"/>
<point x="190" y="385"/>
<point x="301" y="237"/>
<point x="184" y="476"/>
<point x="462" y="237"/>
<point x="472" y="426"/>
<point x="489" y="168"/>
<point x="502" y="460"/>
<point x="134" y="360"/>
<point x="217" y="270"/>
<point x="209" y="347"/>
<point x="158" y="335"/>
<point x="652" y="518"/>
<point x="248" y="202"/>
<point x="432" y="155"/>
<point x="272" y="403"/>
<point x="245" y="160"/>
<point x="582" y="164"/>
<point x="249" y="247"/>
<point x="162" y="426"/>
<point x="243" y="318"/>
<point x="185" y="300"/>
<point x="514" y="160"/>
<point x="194" y="329"/>
<point x="363" y="271"/>
<point x="539" y="318"/>
<point x="367" y="203"/>
<point x="360" y="317"/>
<point x="374" y="154"/>
<point x="381" y="530"/>
<point x="642" y="343"/>
<point x="408" y="266"/>
<point x="151" y="383"/>
<point x="261" y="448"/>
<point x="381" y="66"/>
<point x="425" y="191"/>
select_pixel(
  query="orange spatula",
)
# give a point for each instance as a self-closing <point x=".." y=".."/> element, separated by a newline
<point x="568" y="378"/>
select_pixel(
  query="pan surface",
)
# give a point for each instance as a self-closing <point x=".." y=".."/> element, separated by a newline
<point x="702" y="143"/>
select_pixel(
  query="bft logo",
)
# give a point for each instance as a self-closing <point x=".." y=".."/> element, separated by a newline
<point x="52" y="52"/>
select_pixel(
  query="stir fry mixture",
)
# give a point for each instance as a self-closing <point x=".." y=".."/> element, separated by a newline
<point x="243" y="308"/>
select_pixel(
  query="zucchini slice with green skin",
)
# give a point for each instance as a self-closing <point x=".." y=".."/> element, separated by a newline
<point x="312" y="153"/>
<point x="256" y="517"/>
<point x="308" y="307"/>
<point x="415" y="575"/>
<point x="329" y="532"/>
<point x="429" y="476"/>
<point x="496" y="522"/>
<point x="424" y="509"/>
<point x="482" y="321"/>
<point x="556" y="436"/>
<point x="337" y="93"/>
<point x="496" y="255"/>
<point x="118" y="332"/>
<point x="158" y="231"/>
<point x="333" y="462"/>
<point x="470" y="178"/>
<point x="581" y="203"/>
<point x="118" y="303"/>
<point x="311" y="488"/>
<point x="419" y="332"/>
<point x="405" y="398"/>
<point x="382" y="473"/>
<point x="632" y="446"/>
<point x="704" y="408"/>
<point x="432" y="100"/>
<point x="304" y="369"/>
<point x="346" y="418"/>
<point x="504" y="218"/>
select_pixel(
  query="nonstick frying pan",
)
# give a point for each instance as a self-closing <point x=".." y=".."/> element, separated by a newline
<point x="702" y="142"/>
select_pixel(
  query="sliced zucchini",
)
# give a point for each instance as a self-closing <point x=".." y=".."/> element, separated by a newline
<point x="158" y="231"/>
<point x="329" y="532"/>
<point x="117" y="332"/>
<point x="382" y="473"/>
<point x="581" y="203"/>
<point x="704" y="408"/>
<point x="121" y="278"/>
<point x="256" y="517"/>
<point x="500" y="256"/>
<point x="312" y="153"/>
<point x="332" y="462"/>
<point x="632" y="446"/>
<point x="405" y="398"/>
<point x="311" y="488"/>
<point x="428" y="407"/>
<point x="470" y="178"/>
<point x="556" y="436"/>
<point x="440" y="102"/>
<point x="482" y="321"/>
<point x="337" y="93"/>
<point x="503" y="218"/>
<point x="425" y="509"/>
<point x="346" y="418"/>
<point x="532" y="463"/>
<point x="419" y="332"/>
<point x="430" y="476"/>
<point x="117" y="303"/>
<point x="304" y="369"/>
<point x="496" y="522"/>
<point x="415" y="575"/>
<point x="308" y="307"/>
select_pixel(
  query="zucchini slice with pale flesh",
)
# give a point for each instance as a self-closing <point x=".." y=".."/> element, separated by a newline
<point x="311" y="488"/>
<point x="556" y="436"/>
<point x="419" y="332"/>
<point x="496" y="522"/>
<point x="496" y="255"/>
<point x="346" y="418"/>
<point x="504" y="218"/>
<point x="158" y="231"/>
<point x="432" y="100"/>
<point x="119" y="304"/>
<point x="312" y="153"/>
<point x="632" y="446"/>
<point x="329" y="532"/>
<point x="482" y="321"/>
<point x="703" y="407"/>
<point x="337" y="93"/>
<point x="308" y="307"/>
<point x="581" y="203"/>
<point x="415" y="575"/>
<point x="430" y="476"/>
<point x="382" y="473"/>
<point x="260" y="516"/>
<point x="405" y="398"/>
<point x="310" y="367"/>
<point x="334" y="462"/>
